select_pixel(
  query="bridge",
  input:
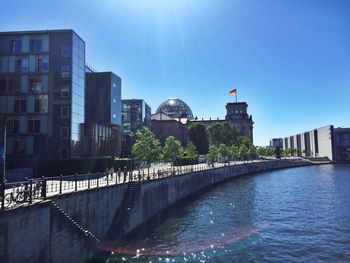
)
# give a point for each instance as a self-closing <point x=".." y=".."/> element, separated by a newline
<point x="58" y="219"/>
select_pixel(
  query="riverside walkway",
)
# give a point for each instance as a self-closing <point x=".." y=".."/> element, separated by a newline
<point x="40" y="189"/>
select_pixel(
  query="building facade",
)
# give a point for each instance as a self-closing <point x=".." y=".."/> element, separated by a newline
<point x="101" y="134"/>
<point x="330" y="142"/>
<point x="42" y="96"/>
<point x="236" y="114"/>
<point x="164" y="126"/>
<point x="175" y="108"/>
<point x="135" y="114"/>
<point x="276" y="142"/>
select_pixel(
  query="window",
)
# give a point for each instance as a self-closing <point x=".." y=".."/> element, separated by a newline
<point x="65" y="72"/>
<point x="114" y="100"/>
<point x="21" y="65"/>
<point x="33" y="126"/>
<point x="64" y="154"/>
<point x="64" y="91"/>
<point x="3" y="85"/>
<point x="20" y="105"/>
<point x="65" y="51"/>
<point x="114" y="116"/>
<point x="35" y="45"/>
<point x="19" y="146"/>
<point x="64" y="112"/>
<point x="18" y="65"/>
<point x="35" y="85"/>
<point x="42" y="64"/>
<point x="13" y="126"/>
<point x="41" y="104"/>
<point x="64" y="132"/>
<point x="15" y="46"/>
<point x="14" y="85"/>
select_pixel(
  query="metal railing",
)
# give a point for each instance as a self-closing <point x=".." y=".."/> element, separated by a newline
<point x="39" y="189"/>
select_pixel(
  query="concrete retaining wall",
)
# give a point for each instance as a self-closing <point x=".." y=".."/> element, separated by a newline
<point x="44" y="232"/>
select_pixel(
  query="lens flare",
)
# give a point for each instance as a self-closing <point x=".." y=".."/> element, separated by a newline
<point x="132" y="247"/>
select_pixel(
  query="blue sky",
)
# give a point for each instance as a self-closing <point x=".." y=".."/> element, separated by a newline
<point x="288" y="59"/>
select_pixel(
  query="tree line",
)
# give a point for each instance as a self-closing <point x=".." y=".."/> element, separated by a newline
<point x="219" y="141"/>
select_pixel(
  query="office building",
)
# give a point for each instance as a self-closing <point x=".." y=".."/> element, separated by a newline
<point x="42" y="95"/>
<point x="102" y="130"/>
<point x="276" y="142"/>
<point x="135" y="114"/>
<point x="330" y="142"/>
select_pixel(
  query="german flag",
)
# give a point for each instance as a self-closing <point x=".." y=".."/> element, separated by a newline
<point x="233" y="92"/>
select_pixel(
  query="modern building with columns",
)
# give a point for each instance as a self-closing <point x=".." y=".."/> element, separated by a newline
<point x="330" y="142"/>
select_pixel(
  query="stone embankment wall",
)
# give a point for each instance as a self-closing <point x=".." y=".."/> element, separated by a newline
<point x="68" y="227"/>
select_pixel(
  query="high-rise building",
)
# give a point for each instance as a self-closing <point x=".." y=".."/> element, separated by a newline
<point x="276" y="142"/>
<point x="135" y="114"/>
<point x="102" y="130"/>
<point x="42" y="94"/>
<point x="103" y="98"/>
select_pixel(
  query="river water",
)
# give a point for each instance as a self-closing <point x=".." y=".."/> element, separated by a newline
<point x="292" y="215"/>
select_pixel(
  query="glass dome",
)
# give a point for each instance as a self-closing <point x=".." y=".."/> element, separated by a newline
<point x="175" y="108"/>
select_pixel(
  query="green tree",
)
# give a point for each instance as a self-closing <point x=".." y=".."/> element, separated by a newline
<point x="223" y="133"/>
<point x="234" y="151"/>
<point x="244" y="140"/>
<point x="147" y="147"/>
<point x="243" y="151"/>
<point x="285" y="152"/>
<point x="293" y="151"/>
<point x="191" y="151"/>
<point x="270" y="151"/>
<point x="261" y="151"/>
<point x="198" y="135"/>
<point x="213" y="153"/>
<point x="223" y="151"/>
<point x="251" y="151"/>
<point x="171" y="149"/>
<point x="299" y="152"/>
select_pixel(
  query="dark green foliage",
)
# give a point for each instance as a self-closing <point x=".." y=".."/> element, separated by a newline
<point x="223" y="133"/>
<point x="197" y="134"/>
<point x="147" y="147"/>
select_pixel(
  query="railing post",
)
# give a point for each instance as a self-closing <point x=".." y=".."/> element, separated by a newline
<point x="117" y="177"/>
<point x="139" y="175"/>
<point x="107" y="178"/>
<point x="43" y="188"/>
<point x="30" y="190"/>
<point x="89" y="180"/>
<point x="2" y="193"/>
<point x="60" y="183"/>
<point x="76" y="181"/>
<point x="98" y="180"/>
